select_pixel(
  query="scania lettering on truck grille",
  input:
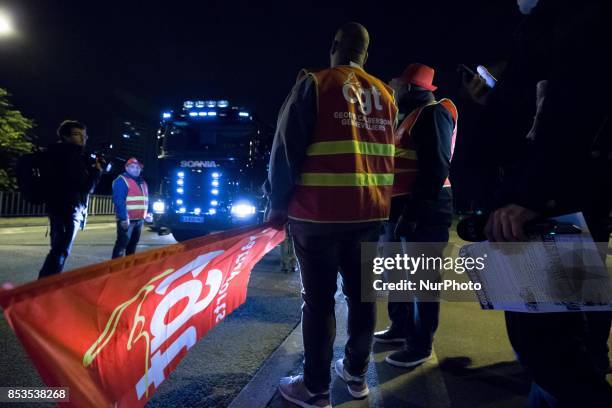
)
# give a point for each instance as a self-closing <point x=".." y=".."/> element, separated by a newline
<point x="198" y="163"/>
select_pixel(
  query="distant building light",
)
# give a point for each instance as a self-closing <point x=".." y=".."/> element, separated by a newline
<point x="199" y="104"/>
<point x="188" y="104"/>
<point x="223" y="103"/>
<point x="214" y="203"/>
<point x="214" y="191"/>
<point x="197" y="211"/>
<point x="216" y="175"/>
<point x="212" y="211"/>
<point x="202" y="113"/>
<point x="126" y="136"/>
<point x="181" y="174"/>
<point x="212" y="113"/>
<point x="179" y="201"/>
<point x="166" y="115"/>
<point x="244" y="114"/>
<point x="111" y="146"/>
<point x="211" y="104"/>
<point x="192" y="114"/>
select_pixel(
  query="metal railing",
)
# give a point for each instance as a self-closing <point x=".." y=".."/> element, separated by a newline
<point x="13" y="205"/>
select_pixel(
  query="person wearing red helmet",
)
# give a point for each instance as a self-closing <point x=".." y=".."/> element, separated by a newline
<point x="131" y="199"/>
<point x="421" y="207"/>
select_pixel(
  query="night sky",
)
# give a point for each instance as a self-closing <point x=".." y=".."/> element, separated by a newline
<point x="80" y="59"/>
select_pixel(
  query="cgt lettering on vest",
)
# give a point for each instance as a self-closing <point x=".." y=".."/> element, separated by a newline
<point x="191" y="289"/>
<point x="354" y="93"/>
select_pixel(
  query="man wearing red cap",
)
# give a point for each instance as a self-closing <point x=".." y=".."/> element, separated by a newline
<point x="131" y="198"/>
<point x="421" y="208"/>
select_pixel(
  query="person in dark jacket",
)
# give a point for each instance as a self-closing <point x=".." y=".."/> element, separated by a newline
<point x="131" y="199"/>
<point x="421" y="209"/>
<point x="558" y="164"/>
<point x="335" y="198"/>
<point x="72" y="176"/>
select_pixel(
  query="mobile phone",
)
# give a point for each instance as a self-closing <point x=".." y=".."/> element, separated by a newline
<point x="486" y="75"/>
<point x="465" y="70"/>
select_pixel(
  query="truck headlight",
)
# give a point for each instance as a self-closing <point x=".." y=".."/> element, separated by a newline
<point x="159" y="207"/>
<point x="243" y="210"/>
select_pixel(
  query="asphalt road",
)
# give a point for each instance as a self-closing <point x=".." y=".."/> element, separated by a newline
<point x="215" y="369"/>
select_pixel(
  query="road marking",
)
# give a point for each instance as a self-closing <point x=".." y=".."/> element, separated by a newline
<point x="39" y="228"/>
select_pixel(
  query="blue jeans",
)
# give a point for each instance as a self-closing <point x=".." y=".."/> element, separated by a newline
<point x="127" y="239"/>
<point x="417" y="320"/>
<point x="63" y="233"/>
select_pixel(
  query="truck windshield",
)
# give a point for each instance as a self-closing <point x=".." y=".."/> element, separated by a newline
<point x="213" y="138"/>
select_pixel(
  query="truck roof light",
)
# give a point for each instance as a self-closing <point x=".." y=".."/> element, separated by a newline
<point x="188" y="104"/>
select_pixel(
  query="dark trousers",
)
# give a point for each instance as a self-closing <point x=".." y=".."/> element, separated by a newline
<point x="566" y="355"/>
<point x="127" y="239"/>
<point x="418" y="320"/>
<point x="63" y="232"/>
<point x="320" y="257"/>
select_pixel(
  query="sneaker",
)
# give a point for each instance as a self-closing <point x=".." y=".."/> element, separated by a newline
<point x="294" y="390"/>
<point x="406" y="358"/>
<point x="357" y="386"/>
<point x="389" y="335"/>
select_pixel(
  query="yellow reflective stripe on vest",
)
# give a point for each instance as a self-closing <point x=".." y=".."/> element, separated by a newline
<point x="136" y="207"/>
<point x="136" y="198"/>
<point x="350" y="146"/>
<point x="346" y="179"/>
<point x="405" y="153"/>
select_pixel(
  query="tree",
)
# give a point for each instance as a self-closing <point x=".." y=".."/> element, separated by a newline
<point x="15" y="140"/>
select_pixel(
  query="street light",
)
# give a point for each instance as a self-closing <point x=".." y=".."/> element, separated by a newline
<point x="6" y="26"/>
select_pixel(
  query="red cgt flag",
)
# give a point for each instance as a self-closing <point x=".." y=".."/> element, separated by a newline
<point x="113" y="332"/>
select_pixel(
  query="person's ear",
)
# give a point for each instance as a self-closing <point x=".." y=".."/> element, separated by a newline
<point x="365" y="58"/>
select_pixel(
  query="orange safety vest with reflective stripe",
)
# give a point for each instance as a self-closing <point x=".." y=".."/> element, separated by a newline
<point x="137" y="200"/>
<point x="347" y="175"/>
<point x="406" y="160"/>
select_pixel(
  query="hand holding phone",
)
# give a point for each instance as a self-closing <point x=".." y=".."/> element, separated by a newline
<point x="475" y="85"/>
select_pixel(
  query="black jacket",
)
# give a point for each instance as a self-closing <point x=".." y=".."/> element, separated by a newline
<point x="564" y="168"/>
<point x="429" y="203"/>
<point x="71" y="177"/>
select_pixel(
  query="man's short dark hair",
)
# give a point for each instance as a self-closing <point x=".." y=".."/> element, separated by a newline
<point x="64" y="129"/>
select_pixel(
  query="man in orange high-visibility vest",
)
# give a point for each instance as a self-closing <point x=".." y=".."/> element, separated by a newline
<point x="331" y="175"/>
<point x="131" y="198"/>
<point x="421" y="209"/>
